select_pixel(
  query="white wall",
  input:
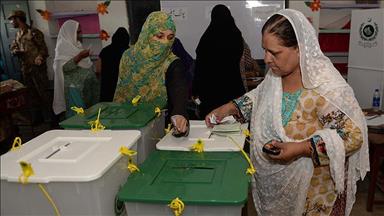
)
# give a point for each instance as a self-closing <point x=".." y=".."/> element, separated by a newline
<point x="64" y="5"/>
<point x="249" y="17"/>
<point x="117" y="17"/>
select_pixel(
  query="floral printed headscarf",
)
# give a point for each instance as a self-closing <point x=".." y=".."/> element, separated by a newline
<point x="143" y="66"/>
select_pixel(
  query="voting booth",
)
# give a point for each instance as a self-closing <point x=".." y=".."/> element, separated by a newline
<point x="366" y="55"/>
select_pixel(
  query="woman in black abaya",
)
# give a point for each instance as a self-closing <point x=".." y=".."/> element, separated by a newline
<point x="217" y="77"/>
<point x="108" y="63"/>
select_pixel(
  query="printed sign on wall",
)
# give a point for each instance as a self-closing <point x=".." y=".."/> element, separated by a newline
<point x="176" y="13"/>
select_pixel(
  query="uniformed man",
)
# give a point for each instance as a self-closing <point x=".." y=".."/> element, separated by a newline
<point x="29" y="46"/>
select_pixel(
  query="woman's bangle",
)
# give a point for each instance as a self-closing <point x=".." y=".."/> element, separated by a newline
<point x="236" y="111"/>
<point x="237" y="114"/>
<point x="314" y="155"/>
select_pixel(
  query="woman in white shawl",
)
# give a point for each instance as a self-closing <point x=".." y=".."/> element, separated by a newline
<point x="74" y="80"/>
<point x="312" y="117"/>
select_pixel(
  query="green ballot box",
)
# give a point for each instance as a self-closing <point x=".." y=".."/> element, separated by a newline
<point x="116" y="116"/>
<point x="208" y="183"/>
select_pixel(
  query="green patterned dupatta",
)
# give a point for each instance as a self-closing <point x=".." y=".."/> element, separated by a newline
<point x="143" y="66"/>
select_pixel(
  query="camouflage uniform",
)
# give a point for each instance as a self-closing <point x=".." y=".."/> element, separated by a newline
<point x="28" y="45"/>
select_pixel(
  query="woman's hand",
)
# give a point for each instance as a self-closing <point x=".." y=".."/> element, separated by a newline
<point x="83" y="54"/>
<point x="196" y="100"/>
<point x="221" y="112"/>
<point x="180" y="123"/>
<point x="290" y="151"/>
<point x="39" y="60"/>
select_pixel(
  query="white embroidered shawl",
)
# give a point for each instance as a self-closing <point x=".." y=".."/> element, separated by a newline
<point x="282" y="189"/>
<point x="67" y="47"/>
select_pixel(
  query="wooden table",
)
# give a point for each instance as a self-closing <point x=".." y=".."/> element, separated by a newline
<point x="13" y="101"/>
<point x="13" y="98"/>
<point x="376" y="151"/>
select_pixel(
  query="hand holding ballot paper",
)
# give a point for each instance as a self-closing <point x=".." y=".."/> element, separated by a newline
<point x="222" y="115"/>
<point x="214" y="139"/>
<point x="227" y="126"/>
<point x="222" y="121"/>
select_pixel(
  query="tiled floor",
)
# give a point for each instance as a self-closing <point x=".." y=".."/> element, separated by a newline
<point x="359" y="208"/>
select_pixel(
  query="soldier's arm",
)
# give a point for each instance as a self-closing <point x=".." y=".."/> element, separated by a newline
<point x="14" y="47"/>
<point x="38" y="38"/>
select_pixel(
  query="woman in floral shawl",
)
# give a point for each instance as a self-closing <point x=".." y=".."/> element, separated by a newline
<point x="307" y="111"/>
<point x="150" y="69"/>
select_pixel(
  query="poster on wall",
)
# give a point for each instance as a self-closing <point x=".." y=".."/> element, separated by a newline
<point x="312" y="14"/>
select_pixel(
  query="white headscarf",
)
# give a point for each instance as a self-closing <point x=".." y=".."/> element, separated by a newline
<point x="67" y="47"/>
<point x="282" y="189"/>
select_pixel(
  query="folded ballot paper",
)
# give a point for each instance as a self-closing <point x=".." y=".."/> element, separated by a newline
<point x="227" y="129"/>
<point x="226" y="120"/>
